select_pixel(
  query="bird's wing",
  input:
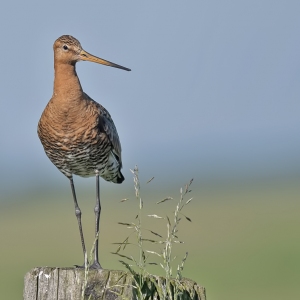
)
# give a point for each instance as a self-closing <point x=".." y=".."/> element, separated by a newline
<point x="106" y="122"/>
<point x="106" y="125"/>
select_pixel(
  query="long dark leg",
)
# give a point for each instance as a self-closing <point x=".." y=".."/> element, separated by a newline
<point x="78" y="216"/>
<point x="97" y="210"/>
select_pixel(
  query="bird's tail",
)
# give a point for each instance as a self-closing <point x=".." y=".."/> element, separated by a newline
<point x="112" y="171"/>
<point x="120" y="177"/>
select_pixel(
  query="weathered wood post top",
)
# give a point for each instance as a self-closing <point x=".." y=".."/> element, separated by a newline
<point x="46" y="283"/>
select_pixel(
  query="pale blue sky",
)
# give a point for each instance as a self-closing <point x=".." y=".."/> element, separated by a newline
<point x="214" y="88"/>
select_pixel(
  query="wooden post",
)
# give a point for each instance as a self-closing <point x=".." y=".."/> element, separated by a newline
<point x="45" y="283"/>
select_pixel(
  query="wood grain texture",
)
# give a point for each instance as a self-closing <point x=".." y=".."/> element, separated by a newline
<point x="46" y="283"/>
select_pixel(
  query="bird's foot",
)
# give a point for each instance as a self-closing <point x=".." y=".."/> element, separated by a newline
<point x="95" y="265"/>
<point x="79" y="267"/>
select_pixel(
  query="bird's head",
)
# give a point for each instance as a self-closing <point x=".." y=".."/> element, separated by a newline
<point x="68" y="50"/>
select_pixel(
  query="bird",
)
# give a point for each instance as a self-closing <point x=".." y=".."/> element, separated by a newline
<point x="77" y="133"/>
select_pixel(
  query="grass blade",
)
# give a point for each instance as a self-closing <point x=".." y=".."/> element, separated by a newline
<point x="150" y="180"/>
<point x="155" y="216"/>
<point x="164" y="200"/>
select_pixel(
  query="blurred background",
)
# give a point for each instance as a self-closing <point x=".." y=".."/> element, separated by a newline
<point x="213" y="95"/>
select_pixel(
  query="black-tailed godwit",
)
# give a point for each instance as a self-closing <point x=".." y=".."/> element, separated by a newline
<point x="77" y="133"/>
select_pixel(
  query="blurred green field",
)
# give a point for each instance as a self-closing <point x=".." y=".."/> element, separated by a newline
<point x="243" y="242"/>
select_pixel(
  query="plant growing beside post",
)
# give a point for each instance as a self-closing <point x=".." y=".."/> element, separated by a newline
<point x="167" y="288"/>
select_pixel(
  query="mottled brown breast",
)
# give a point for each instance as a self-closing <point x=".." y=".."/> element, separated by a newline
<point x="72" y="137"/>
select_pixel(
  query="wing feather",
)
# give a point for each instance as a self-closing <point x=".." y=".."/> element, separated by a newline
<point x="111" y="131"/>
<point x="106" y="125"/>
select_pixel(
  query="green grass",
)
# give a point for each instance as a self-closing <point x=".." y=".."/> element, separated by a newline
<point x="163" y="256"/>
<point x="243" y="243"/>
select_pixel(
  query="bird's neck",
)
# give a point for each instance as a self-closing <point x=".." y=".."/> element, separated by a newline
<point x="66" y="82"/>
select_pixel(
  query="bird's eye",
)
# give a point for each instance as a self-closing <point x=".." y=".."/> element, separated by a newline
<point x="65" y="47"/>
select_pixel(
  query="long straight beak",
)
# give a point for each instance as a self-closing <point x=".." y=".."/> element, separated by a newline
<point x="89" y="57"/>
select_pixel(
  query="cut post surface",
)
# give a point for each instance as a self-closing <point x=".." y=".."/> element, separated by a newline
<point x="46" y="283"/>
